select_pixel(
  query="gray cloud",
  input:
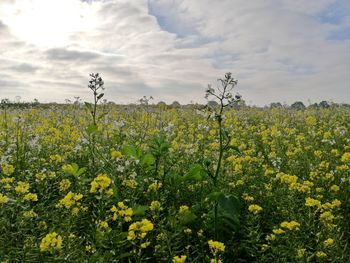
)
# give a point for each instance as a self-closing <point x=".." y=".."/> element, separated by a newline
<point x="71" y="55"/>
<point x="278" y="50"/>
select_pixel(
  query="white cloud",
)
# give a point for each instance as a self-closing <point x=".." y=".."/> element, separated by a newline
<point x="278" y="50"/>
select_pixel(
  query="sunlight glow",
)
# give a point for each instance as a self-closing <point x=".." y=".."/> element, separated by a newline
<point x="48" y="22"/>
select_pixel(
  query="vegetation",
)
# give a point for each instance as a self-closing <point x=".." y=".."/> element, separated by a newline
<point x="147" y="183"/>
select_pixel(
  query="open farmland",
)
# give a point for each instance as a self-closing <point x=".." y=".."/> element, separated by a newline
<point x="140" y="185"/>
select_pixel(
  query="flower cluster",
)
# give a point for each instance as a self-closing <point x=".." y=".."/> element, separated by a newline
<point x="51" y="242"/>
<point x="121" y="211"/>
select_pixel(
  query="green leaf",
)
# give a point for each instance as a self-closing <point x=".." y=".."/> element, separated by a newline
<point x="148" y="160"/>
<point x="139" y="210"/>
<point x="131" y="151"/>
<point x="187" y="218"/>
<point x="88" y="106"/>
<point x="196" y="173"/>
<point x="92" y="128"/>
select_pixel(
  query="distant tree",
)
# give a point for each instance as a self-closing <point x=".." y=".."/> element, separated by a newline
<point x="298" y="105"/>
<point x="212" y="104"/>
<point x="145" y="100"/>
<point x="324" y="104"/>
<point x="276" y="105"/>
<point x="313" y="106"/>
<point x="175" y="104"/>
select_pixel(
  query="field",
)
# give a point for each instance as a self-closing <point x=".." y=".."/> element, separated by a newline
<point x="159" y="184"/>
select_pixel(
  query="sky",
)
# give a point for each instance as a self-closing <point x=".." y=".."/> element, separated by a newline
<point x="279" y="50"/>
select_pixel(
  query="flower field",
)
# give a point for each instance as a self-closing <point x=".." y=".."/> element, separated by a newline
<point x="144" y="184"/>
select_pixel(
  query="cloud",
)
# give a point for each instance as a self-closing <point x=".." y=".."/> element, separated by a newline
<point x="278" y="50"/>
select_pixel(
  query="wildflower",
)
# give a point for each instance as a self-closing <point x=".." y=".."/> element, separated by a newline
<point x="255" y="209"/>
<point x="3" y="199"/>
<point x="216" y="246"/>
<point x="310" y="120"/>
<point x="56" y="158"/>
<point x="278" y="231"/>
<point x="327" y="216"/>
<point x="145" y="244"/>
<point x="88" y="248"/>
<point x="270" y="237"/>
<point x="22" y="187"/>
<point x="102" y="224"/>
<point x="70" y="200"/>
<point x="188" y="231"/>
<point x="122" y="211"/>
<point x="335" y="188"/>
<point x="329" y="242"/>
<point x="64" y="185"/>
<point x="301" y="252"/>
<point x="139" y="229"/>
<point x="154" y="187"/>
<point x="321" y="254"/>
<point x="40" y="176"/>
<point x="71" y="236"/>
<point x="116" y="154"/>
<point x="200" y="232"/>
<point x="179" y="259"/>
<point x="51" y="241"/>
<point x="100" y="183"/>
<point x="7" y="180"/>
<point x="131" y="183"/>
<point x="183" y="209"/>
<point x="345" y="157"/>
<point x="29" y="214"/>
<point x="292" y="225"/>
<point x="312" y="202"/>
<point x="31" y="197"/>
<point x="7" y="169"/>
<point x="155" y="206"/>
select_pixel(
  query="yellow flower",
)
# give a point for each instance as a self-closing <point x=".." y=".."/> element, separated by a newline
<point x="3" y="199"/>
<point x="145" y="244"/>
<point x="22" y="187"/>
<point x="301" y="252"/>
<point x="329" y="242"/>
<point x="100" y="183"/>
<point x="326" y="216"/>
<point x="122" y="211"/>
<point x="292" y="225"/>
<point x="255" y="209"/>
<point x="216" y="246"/>
<point x="116" y="154"/>
<point x="321" y="254"/>
<point x="154" y="187"/>
<point x="31" y="197"/>
<point x="7" y="169"/>
<point x="278" y="231"/>
<point x="183" y="209"/>
<point x="188" y="231"/>
<point x="270" y="237"/>
<point x="310" y="120"/>
<point x="29" y="214"/>
<point x="335" y="188"/>
<point x="131" y="183"/>
<point x="179" y="259"/>
<point x="312" y="202"/>
<point x="51" y="241"/>
<point x="70" y="200"/>
<point x="102" y="224"/>
<point x="345" y="157"/>
<point x="155" y="206"/>
<point x="139" y="229"/>
<point x="64" y="185"/>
